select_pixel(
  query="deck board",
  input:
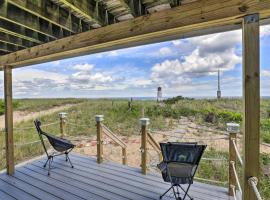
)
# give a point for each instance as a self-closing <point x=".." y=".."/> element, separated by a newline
<point x="89" y="180"/>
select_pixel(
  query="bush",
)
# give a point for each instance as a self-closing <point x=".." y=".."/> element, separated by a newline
<point x="174" y="100"/>
<point x="2" y="106"/>
<point x="229" y="116"/>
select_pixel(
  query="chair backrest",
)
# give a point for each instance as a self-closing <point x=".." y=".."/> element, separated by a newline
<point x="189" y="153"/>
<point x="40" y="133"/>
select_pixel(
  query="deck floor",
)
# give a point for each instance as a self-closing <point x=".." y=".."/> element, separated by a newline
<point x="89" y="180"/>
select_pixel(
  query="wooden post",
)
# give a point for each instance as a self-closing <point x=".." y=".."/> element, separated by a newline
<point x="62" y="117"/>
<point x="144" y="139"/>
<point x="99" y="119"/>
<point x="124" y="156"/>
<point x="233" y="129"/>
<point x="251" y="94"/>
<point x="9" y="120"/>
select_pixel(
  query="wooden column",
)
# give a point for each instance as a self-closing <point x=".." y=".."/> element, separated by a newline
<point x="144" y="136"/>
<point x="62" y="117"/>
<point x="99" y="119"/>
<point x="251" y="94"/>
<point x="9" y="119"/>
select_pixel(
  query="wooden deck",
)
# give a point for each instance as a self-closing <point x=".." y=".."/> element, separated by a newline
<point x="89" y="180"/>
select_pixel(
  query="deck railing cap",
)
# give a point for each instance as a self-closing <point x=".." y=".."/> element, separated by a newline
<point x="62" y="115"/>
<point x="99" y="118"/>
<point x="233" y="127"/>
<point x="145" y="121"/>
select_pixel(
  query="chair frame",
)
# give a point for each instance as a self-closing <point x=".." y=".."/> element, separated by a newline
<point x="54" y="154"/>
<point x="176" y="187"/>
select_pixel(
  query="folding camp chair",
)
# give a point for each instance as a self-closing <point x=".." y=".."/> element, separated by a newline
<point x="179" y="165"/>
<point x="62" y="146"/>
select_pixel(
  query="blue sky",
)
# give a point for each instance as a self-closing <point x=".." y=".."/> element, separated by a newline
<point x="185" y="67"/>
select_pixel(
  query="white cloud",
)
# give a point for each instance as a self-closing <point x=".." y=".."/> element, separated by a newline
<point x="265" y="31"/>
<point x="83" y="67"/>
<point x="207" y="55"/>
<point x="265" y="73"/>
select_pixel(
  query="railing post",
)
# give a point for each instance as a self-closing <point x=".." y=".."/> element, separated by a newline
<point x="9" y="120"/>
<point x="233" y="129"/>
<point x="144" y="123"/>
<point x="124" y="156"/>
<point x="62" y="117"/>
<point x="99" y="119"/>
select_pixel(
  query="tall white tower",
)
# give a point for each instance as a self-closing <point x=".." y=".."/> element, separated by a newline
<point x="159" y="94"/>
<point x="218" y="90"/>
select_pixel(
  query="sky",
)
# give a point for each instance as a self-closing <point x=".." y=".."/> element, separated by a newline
<point x="186" y="67"/>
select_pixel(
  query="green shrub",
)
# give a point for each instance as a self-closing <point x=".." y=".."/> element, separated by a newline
<point x="229" y="116"/>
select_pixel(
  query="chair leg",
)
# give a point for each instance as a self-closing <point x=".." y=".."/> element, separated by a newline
<point x="176" y="195"/>
<point x="46" y="162"/>
<point x="49" y="170"/>
<point x="161" y="196"/>
<point x="186" y="192"/>
<point x="68" y="159"/>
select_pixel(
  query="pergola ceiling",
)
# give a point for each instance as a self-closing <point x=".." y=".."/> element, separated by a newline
<point x="27" y="23"/>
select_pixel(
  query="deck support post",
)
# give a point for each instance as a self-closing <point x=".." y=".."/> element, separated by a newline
<point x="99" y="119"/>
<point x="233" y="129"/>
<point x="144" y="138"/>
<point x="9" y="120"/>
<point x="62" y="117"/>
<point x="251" y="94"/>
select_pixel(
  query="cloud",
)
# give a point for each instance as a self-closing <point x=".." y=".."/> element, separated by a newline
<point x="209" y="54"/>
<point x="83" y="67"/>
<point x="265" y="31"/>
<point x="265" y="73"/>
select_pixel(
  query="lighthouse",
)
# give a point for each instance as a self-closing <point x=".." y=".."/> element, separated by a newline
<point x="159" y="94"/>
<point x="218" y="90"/>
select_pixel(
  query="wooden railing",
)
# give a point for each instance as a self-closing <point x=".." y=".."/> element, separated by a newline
<point x="103" y="130"/>
<point x="234" y="156"/>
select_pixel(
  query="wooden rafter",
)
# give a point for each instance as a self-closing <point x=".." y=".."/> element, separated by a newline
<point x="46" y="11"/>
<point x="81" y="9"/>
<point x="170" y="24"/>
<point x="21" y="18"/>
<point x="10" y="39"/>
<point x="120" y="9"/>
<point x="6" y="47"/>
<point x="22" y="32"/>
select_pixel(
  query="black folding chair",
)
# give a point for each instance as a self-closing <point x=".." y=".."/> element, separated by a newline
<point x="62" y="146"/>
<point x="179" y="165"/>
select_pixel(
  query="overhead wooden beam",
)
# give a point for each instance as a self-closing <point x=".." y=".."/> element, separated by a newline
<point x="251" y="94"/>
<point x="20" y="17"/>
<point x="47" y="11"/>
<point x="9" y="47"/>
<point x="21" y="32"/>
<point x="177" y="22"/>
<point x="81" y="9"/>
<point x="9" y="119"/>
<point x="10" y="39"/>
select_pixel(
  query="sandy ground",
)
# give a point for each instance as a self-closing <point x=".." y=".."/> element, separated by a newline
<point x="19" y="116"/>
<point x="185" y="130"/>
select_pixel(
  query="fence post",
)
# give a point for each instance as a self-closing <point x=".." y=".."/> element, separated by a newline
<point x="144" y="123"/>
<point x="99" y="119"/>
<point x="233" y="129"/>
<point x="124" y="156"/>
<point x="62" y="117"/>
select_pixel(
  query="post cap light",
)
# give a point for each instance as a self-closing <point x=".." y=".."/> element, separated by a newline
<point x="145" y="121"/>
<point x="99" y="118"/>
<point x="63" y="115"/>
<point x="233" y="127"/>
